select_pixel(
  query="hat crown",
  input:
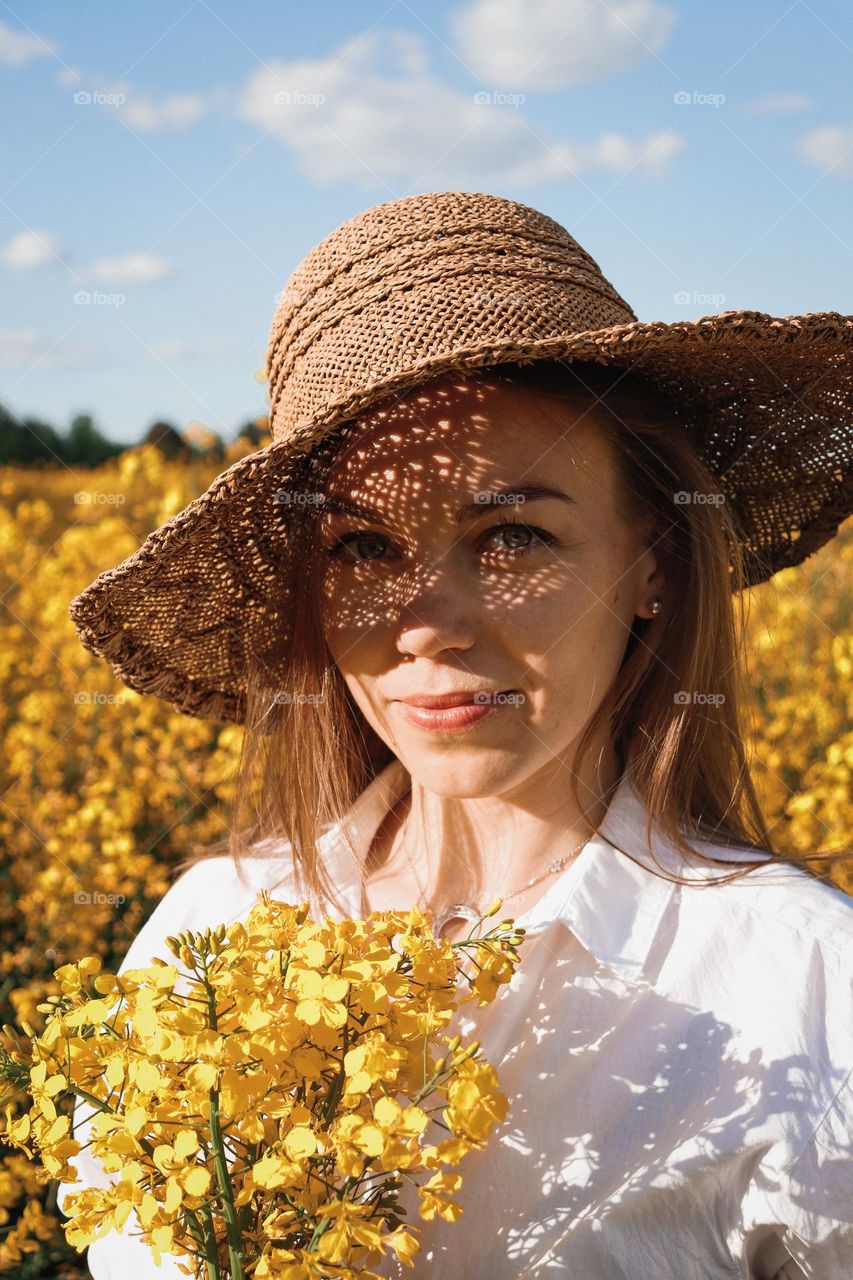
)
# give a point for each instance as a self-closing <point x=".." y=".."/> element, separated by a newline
<point x="391" y="295"/>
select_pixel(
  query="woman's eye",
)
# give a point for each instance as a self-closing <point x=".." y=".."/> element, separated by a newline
<point x="515" y="539"/>
<point x="373" y="541"/>
<point x="520" y="539"/>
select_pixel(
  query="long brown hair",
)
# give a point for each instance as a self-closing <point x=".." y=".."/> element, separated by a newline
<point x="299" y="773"/>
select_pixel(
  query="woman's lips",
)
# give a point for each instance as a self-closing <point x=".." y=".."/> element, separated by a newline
<point x="452" y="719"/>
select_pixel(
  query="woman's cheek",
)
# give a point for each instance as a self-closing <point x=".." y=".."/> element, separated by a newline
<point x="546" y="615"/>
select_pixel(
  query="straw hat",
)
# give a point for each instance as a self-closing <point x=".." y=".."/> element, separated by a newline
<point x="456" y="280"/>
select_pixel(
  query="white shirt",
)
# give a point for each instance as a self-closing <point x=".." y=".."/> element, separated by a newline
<point x="677" y="1062"/>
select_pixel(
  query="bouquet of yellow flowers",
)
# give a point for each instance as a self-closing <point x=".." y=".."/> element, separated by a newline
<point x="262" y="1109"/>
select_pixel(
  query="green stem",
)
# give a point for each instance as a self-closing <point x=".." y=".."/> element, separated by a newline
<point x="327" y="1222"/>
<point x="318" y="1231"/>
<point x="229" y="1212"/>
<point x="337" y="1086"/>
<point x="244" y="1213"/>
<point x="210" y="1251"/>
<point x="90" y="1098"/>
<point x="205" y="1238"/>
<point x="220" y="1164"/>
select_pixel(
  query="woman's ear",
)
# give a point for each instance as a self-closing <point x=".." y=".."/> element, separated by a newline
<point x="652" y="586"/>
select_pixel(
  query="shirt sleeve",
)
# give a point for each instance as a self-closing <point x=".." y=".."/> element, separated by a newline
<point x="809" y="1202"/>
<point x="120" y="1256"/>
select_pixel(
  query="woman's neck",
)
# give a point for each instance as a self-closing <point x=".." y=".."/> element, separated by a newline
<point x="431" y="850"/>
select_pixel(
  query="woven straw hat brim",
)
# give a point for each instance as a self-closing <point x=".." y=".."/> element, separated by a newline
<point x="768" y="402"/>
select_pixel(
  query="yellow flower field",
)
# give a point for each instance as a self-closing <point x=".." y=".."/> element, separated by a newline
<point x="104" y="790"/>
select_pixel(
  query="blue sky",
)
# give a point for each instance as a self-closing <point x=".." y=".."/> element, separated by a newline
<point x="173" y="162"/>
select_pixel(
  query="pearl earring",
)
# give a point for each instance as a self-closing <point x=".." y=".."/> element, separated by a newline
<point x="656" y="606"/>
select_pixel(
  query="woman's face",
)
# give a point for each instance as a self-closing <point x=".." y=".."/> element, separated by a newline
<point x="426" y="591"/>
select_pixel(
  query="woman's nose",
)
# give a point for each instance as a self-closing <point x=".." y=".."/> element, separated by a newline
<point x="433" y="619"/>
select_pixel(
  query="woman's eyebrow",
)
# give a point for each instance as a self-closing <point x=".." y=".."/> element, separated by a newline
<point x="508" y="495"/>
<point x="503" y="496"/>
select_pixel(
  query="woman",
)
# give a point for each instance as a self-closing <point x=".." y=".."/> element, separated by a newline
<point x="554" y="546"/>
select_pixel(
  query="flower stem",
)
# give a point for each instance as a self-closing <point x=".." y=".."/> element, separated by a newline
<point x="205" y="1238"/>
<point x="220" y="1164"/>
<point x="229" y="1212"/>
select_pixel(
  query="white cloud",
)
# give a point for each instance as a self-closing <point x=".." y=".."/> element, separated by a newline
<point x="539" y="44"/>
<point x="22" y="348"/>
<point x="178" y="111"/>
<point x="20" y="47"/>
<point x="375" y="110"/>
<point x="141" y="111"/>
<point x="614" y="153"/>
<point x="31" y="249"/>
<point x="829" y="148"/>
<point x="176" y="349"/>
<point x="778" y="104"/>
<point x="68" y="75"/>
<point x="133" y="268"/>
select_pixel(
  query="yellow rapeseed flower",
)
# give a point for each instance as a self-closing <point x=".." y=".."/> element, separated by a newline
<point x="239" y="1104"/>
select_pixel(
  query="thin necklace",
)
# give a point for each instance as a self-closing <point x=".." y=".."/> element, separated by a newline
<point x="472" y="913"/>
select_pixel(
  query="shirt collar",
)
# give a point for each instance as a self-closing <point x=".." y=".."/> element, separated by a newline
<point x="613" y="904"/>
<point x="614" y="895"/>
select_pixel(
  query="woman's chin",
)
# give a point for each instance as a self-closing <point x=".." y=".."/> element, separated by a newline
<point x="458" y="775"/>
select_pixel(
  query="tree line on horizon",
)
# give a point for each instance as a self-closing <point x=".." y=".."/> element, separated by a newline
<point x="30" y="441"/>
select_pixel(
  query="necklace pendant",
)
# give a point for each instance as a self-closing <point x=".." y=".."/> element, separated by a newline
<point x="451" y="913"/>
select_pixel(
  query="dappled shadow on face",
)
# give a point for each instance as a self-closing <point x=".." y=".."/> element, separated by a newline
<point x="640" y="1141"/>
<point x="412" y="464"/>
